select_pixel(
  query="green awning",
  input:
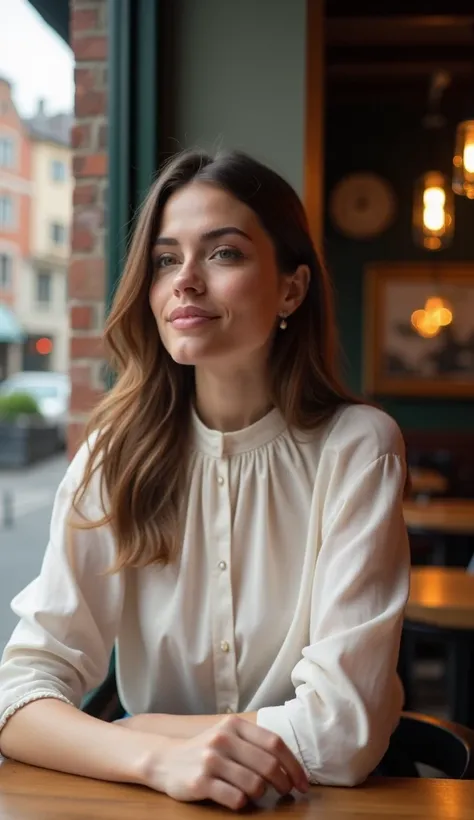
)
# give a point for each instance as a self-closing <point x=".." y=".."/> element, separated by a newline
<point x="10" y="328"/>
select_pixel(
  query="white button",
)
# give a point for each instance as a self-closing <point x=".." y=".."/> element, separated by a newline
<point x="222" y="565"/>
<point x="220" y="481"/>
<point x="225" y="646"/>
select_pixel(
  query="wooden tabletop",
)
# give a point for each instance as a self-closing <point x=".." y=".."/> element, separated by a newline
<point x="33" y="794"/>
<point x="442" y="515"/>
<point x="427" y="481"/>
<point x="443" y="596"/>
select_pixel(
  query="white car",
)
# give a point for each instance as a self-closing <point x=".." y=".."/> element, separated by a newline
<point x="51" y="391"/>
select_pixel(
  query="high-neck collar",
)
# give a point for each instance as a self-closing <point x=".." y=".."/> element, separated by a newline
<point x="218" y="444"/>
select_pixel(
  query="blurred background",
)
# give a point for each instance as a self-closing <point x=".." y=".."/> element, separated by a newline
<point x="369" y="113"/>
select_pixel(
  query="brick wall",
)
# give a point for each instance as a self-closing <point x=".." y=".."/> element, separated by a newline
<point x="87" y="271"/>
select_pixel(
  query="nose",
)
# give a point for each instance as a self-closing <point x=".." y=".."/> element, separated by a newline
<point x="189" y="278"/>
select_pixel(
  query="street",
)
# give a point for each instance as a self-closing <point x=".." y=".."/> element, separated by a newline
<point x="23" y="542"/>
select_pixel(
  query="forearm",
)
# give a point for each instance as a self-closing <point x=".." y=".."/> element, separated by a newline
<point x="177" y="726"/>
<point x="53" y="735"/>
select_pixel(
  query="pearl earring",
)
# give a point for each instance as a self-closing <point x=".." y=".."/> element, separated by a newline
<point x="283" y="323"/>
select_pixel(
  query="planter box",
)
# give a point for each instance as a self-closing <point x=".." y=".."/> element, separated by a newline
<point x="24" y="443"/>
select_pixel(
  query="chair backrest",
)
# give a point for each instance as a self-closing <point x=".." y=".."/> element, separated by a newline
<point x="104" y="702"/>
<point x="440" y="744"/>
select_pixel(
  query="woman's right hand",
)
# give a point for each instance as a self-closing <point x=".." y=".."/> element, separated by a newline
<point x="231" y="763"/>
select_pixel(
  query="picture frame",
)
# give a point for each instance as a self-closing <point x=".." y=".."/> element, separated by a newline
<point x="404" y="353"/>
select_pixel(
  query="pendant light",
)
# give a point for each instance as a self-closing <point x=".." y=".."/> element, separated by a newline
<point x="433" y="201"/>
<point x="433" y="211"/>
<point x="430" y="320"/>
<point x="463" y="159"/>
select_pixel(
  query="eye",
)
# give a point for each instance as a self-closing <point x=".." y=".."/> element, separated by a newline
<point x="166" y="260"/>
<point x="227" y="254"/>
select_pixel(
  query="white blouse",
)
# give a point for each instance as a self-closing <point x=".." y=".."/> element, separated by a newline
<point x="288" y="597"/>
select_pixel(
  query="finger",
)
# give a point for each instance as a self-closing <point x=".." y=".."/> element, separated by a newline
<point x="275" y="746"/>
<point x="226" y="795"/>
<point x="259" y="761"/>
<point x="242" y="777"/>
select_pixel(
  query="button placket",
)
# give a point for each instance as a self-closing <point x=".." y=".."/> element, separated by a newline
<point x="223" y="618"/>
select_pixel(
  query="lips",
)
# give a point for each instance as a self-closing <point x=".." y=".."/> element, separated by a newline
<point x="191" y="312"/>
<point x="186" y="318"/>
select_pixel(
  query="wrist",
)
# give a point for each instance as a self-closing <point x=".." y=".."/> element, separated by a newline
<point x="149" y="766"/>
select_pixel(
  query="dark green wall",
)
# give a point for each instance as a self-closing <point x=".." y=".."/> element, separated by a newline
<point x="390" y="142"/>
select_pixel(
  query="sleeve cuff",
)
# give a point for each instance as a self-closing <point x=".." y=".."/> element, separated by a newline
<point x="275" y="719"/>
<point x="39" y="695"/>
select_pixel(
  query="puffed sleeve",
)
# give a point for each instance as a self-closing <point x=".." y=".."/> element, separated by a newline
<point x="69" y="615"/>
<point x="347" y="695"/>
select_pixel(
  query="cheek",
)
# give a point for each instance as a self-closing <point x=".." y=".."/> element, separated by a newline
<point x="155" y="298"/>
<point x="251" y="298"/>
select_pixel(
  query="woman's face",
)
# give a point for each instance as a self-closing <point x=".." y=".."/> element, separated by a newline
<point x="216" y="293"/>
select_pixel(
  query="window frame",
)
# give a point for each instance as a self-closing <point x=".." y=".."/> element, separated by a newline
<point x="5" y="196"/>
<point x="58" y="163"/>
<point x="43" y="276"/>
<point x="8" y="139"/>
<point x="62" y="230"/>
<point x="7" y="284"/>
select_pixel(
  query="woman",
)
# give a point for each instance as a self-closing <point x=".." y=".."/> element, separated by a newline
<point x="233" y="524"/>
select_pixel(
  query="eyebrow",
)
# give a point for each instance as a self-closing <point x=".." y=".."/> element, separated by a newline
<point x="215" y="234"/>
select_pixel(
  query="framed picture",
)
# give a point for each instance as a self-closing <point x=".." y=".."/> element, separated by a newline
<point x="419" y="329"/>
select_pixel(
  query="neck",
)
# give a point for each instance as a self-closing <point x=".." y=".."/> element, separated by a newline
<point x="229" y="402"/>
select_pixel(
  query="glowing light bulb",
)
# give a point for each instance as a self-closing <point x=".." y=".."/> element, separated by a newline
<point x="468" y="157"/>
<point x="435" y="315"/>
<point x="433" y="208"/>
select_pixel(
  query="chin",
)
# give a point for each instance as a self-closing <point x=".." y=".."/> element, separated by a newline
<point x="190" y="352"/>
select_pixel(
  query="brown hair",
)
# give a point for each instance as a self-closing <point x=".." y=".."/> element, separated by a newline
<point x="142" y="424"/>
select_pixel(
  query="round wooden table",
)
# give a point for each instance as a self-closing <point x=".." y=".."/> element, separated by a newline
<point x="441" y="596"/>
<point x="427" y="482"/>
<point x="453" y="516"/>
<point x="27" y="793"/>
<point x="441" y="609"/>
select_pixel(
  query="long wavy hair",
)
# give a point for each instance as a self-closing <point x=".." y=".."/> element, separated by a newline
<point x="140" y="430"/>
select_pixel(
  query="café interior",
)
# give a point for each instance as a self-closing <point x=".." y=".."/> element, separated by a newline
<point x="399" y="243"/>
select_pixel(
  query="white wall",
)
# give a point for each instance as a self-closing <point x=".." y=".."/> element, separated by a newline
<point x="52" y="201"/>
<point x="239" y="79"/>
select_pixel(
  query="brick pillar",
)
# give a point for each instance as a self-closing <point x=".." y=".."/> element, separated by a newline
<point x="87" y="270"/>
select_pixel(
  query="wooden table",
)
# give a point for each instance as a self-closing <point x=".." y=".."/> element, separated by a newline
<point x="453" y="516"/>
<point x="429" y="482"/>
<point x="441" y="606"/>
<point x="33" y="794"/>
<point x="441" y="596"/>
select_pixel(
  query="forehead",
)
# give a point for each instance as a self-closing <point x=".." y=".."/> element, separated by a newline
<point x="200" y="207"/>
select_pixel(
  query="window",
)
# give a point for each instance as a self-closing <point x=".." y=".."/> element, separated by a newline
<point x="58" y="171"/>
<point x="6" y="211"/>
<point x="6" y="268"/>
<point x="7" y="152"/>
<point x="43" y="288"/>
<point x="58" y="233"/>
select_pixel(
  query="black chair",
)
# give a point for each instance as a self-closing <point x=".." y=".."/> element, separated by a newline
<point x="104" y="702"/>
<point x="456" y="647"/>
<point x="421" y="739"/>
<point x="447" y="747"/>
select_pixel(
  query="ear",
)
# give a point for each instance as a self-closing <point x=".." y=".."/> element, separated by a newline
<point x="294" y="289"/>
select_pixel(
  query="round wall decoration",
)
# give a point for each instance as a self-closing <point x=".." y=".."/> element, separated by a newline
<point x="362" y="205"/>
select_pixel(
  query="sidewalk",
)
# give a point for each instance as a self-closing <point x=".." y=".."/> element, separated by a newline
<point x="22" y="545"/>
<point x="31" y="488"/>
